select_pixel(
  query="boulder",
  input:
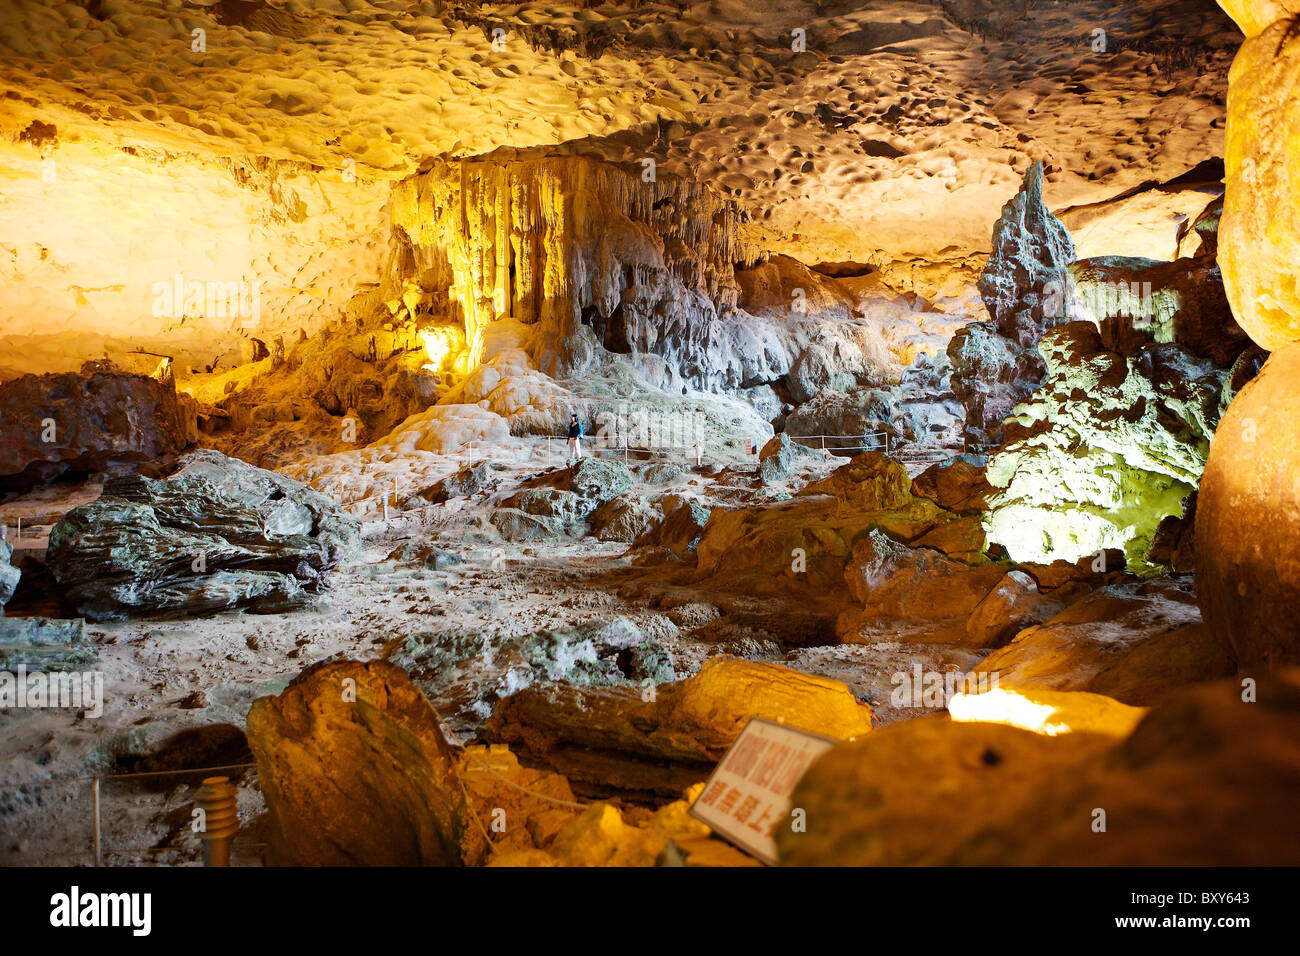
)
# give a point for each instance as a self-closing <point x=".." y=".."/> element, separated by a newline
<point x="662" y="741"/>
<point x="869" y="482"/>
<point x="624" y="519"/>
<point x="958" y="485"/>
<point x="464" y="671"/>
<point x="679" y="532"/>
<point x="216" y="534"/>
<point x="1205" y="779"/>
<point x="94" y="421"/>
<point x="777" y="458"/>
<point x="1248" y="520"/>
<point x="596" y="480"/>
<point x="467" y="481"/>
<point x="355" y="770"/>
<point x="1014" y="604"/>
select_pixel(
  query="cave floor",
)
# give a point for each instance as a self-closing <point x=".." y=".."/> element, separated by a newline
<point x="177" y="691"/>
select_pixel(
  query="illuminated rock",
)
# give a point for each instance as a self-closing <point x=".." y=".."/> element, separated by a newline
<point x="1133" y="642"/>
<point x="1024" y="287"/>
<point x="1248" y="520"/>
<point x="88" y="422"/>
<point x="9" y="575"/>
<point x="355" y="770"/>
<point x="958" y="485"/>
<point x="1259" y="232"/>
<point x="908" y="593"/>
<point x="662" y="742"/>
<point x="1107" y="448"/>
<point x="1203" y="780"/>
<point x="1180" y="301"/>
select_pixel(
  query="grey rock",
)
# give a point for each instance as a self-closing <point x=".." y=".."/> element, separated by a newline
<point x="777" y="458"/>
<point x="45" y="644"/>
<point x="467" y="481"/>
<point x="217" y="534"/>
<point x="9" y="574"/>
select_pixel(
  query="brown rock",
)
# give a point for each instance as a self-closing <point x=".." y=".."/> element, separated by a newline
<point x="1248" y="520"/>
<point x="1134" y="642"/>
<point x="1259" y="232"/>
<point x="355" y="770"/>
<point x="88" y="422"/>
<point x="912" y="593"/>
<point x="662" y="741"/>
<point x="954" y="486"/>
<point x="1205" y="779"/>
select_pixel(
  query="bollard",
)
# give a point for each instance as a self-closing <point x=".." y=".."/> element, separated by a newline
<point x="216" y="797"/>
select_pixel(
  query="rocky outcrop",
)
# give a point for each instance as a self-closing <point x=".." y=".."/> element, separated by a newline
<point x="45" y="644"/>
<point x="216" y="534"/>
<point x="1133" y="642"/>
<point x="1180" y="301"/>
<point x="958" y="485"/>
<point x="660" y="742"/>
<point x="1248" y="520"/>
<point x="9" y="575"/>
<point x="1112" y="443"/>
<point x="464" y="672"/>
<point x="935" y="792"/>
<point x="88" y="422"/>
<point x="904" y="593"/>
<point x="1024" y="288"/>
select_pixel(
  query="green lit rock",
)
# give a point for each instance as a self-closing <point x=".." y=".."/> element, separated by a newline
<point x="1109" y="446"/>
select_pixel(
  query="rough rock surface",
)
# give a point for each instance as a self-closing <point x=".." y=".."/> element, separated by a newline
<point x="1180" y="301"/>
<point x="87" y="423"/>
<point x="1248" y="520"/>
<point x="1106" y="449"/>
<point x="632" y="739"/>
<point x="935" y="792"/>
<point x="9" y="575"/>
<point x="913" y="593"/>
<point x="216" y="534"/>
<point x="1024" y="287"/>
<point x="45" y="644"/>
<point x="1133" y="642"/>
<point x="1259" y="232"/>
<point x="355" y="770"/>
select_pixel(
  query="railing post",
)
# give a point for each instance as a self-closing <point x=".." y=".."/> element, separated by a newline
<point x="94" y="795"/>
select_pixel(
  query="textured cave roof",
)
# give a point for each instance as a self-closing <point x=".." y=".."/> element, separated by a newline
<point x="900" y="132"/>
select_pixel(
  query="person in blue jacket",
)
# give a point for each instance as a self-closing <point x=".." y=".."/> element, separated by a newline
<point x="575" y="437"/>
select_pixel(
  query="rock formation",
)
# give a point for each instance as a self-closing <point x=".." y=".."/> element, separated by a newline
<point x="665" y="739"/>
<point x="355" y="770"/>
<point x="933" y="792"/>
<point x="1109" y="446"/>
<point x="88" y="423"/>
<point x="216" y="534"/>
<point x="1024" y="287"/>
